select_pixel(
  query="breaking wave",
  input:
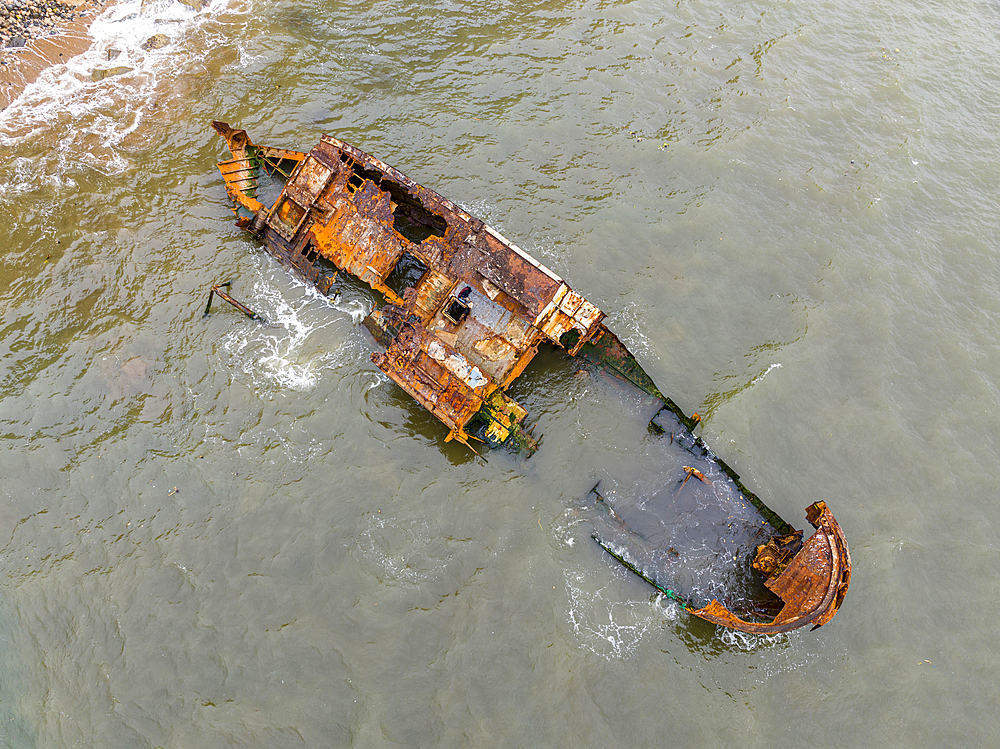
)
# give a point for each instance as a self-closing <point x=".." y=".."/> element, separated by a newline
<point x="287" y="351"/>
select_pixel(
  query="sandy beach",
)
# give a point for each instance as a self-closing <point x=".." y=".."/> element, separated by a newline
<point x="36" y="34"/>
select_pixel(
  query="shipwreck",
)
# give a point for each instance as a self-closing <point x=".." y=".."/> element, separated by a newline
<point x="465" y="312"/>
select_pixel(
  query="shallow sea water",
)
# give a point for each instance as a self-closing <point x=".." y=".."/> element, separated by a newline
<point x="221" y="534"/>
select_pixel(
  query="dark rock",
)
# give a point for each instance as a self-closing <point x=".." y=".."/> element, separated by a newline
<point x="113" y="53"/>
<point x="17" y="41"/>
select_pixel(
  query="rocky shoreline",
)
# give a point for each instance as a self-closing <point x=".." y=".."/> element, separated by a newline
<point x="24" y="20"/>
<point x="37" y="34"/>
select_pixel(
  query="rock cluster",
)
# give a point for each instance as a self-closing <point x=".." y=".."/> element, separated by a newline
<point x="22" y="20"/>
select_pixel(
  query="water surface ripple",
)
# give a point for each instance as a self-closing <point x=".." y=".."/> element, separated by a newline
<point x="219" y="534"/>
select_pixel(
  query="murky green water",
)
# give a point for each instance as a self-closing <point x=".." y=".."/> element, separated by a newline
<point x="221" y="534"/>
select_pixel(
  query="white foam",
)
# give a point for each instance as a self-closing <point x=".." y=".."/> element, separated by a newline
<point x="27" y="175"/>
<point x="282" y="361"/>
<point x="485" y="211"/>
<point x="378" y="380"/>
<point x="746" y="641"/>
<point x="274" y="352"/>
<point x="408" y="555"/>
<point x="281" y="353"/>
<point x="628" y="318"/>
<point x="610" y="629"/>
<point x="247" y="60"/>
<point x="764" y="374"/>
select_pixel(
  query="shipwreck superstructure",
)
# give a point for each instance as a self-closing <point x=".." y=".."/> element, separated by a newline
<point x="466" y="311"/>
<point x="466" y="308"/>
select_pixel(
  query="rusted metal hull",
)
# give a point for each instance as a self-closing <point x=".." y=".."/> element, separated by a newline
<point x="812" y="584"/>
<point x="466" y="311"/>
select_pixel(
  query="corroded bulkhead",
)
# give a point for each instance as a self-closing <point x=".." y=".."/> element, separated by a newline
<point x="465" y="313"/>
<point x="467" y="308"/>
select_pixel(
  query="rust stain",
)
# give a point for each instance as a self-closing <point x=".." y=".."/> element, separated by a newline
<point x="465" y="313"/>
<point x="812" y="584"/>
<point x="452" y="283"/>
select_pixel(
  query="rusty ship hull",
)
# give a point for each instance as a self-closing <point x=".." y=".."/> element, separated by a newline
<point x="466" y="311"/>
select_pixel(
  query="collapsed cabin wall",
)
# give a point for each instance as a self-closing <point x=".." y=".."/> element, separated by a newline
<point x="476" y="305"/>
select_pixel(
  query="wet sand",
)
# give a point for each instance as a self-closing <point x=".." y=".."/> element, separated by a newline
<point x="68" y="37"/>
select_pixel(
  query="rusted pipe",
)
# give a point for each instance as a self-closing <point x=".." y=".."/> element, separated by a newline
<point x="217" y="290"/>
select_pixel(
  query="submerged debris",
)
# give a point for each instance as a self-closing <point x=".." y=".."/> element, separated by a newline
<point x="217" y="291"/>
<point x="466" y="311"/>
